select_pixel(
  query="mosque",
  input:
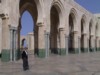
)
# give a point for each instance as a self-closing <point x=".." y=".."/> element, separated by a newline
<point x="61" y="27"/>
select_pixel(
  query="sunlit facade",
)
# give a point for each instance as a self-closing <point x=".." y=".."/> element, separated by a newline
<point x="61" y="27"/>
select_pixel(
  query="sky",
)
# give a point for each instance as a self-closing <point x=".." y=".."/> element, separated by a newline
<point x="91" y="5"/>
<point x="28" y="24"/>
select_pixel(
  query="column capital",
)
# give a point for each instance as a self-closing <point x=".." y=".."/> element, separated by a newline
<point x="12" y="28"/>
<point x="91" y="35"/>
<point x="4" y="16"/>
<point x="61" y="29"/>
<point x="47" y="33"/>
<point x="84" y="34"/>
<point x="79" y="37"/>
<point x="75" y="32"/>
<point x="66" y="36"/>
<point x="40" y="24"/>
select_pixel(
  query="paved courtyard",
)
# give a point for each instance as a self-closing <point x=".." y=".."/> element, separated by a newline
<point x="72" y="64"/>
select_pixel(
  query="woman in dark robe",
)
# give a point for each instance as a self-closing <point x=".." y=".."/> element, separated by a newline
<point x="25" y="59"/>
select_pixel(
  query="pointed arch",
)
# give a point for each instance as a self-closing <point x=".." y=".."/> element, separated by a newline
<point x="90" y="26"/>
<point x="72" y="22"/>
<point x="34" y="7"/>
<point x="96" y="36"/>
<point x="74" y="15"/>
<point x="83" y="20"/>
<point x="56" y="18"/>
<point x="96" y="29"/>
<point x="60" y="8"/>
<point x="83" y="24"/>
<point x="30" y="5"/>
<point x="90" y="34"/>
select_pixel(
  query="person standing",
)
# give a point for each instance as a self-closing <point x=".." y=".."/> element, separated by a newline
<point x="25" y="59"/>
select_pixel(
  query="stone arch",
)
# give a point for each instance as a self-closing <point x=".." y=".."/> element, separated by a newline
<point x="83" y="24"/>
<point x="84" y="18"/>
<point x="72" y="22"/>
<point x="90" y="34"/>
<point x="34" y="8"/>
<point x="96" y="36"/>
<point x="24" y="4"/>
<point x="73" y="12"/>
<point x="90" y="27"/>
<point x="56" y="18"/>
<point x="96" y="29"/>
<point x="60" y="8"/>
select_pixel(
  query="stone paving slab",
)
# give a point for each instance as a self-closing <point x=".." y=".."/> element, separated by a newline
<point x="72" y="64"/>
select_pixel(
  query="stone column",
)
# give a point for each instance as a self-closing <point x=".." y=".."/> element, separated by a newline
<point x="62" y="42"/>
<point x="97" y="43"/>
<point x="11" y="45"/>
<point x="0" y="36"/>
<point x="13" y="33"/>
<point x="79" y="44"/>
<point x="88" y="45"/>
<point x="76" y="47"/>
<point x="85" y="43"/>
<point x="32" y="37"/>
<point x="47" y="43"/>
<point x="29" y="41"/>
<point x="92" y="43"/>
<point x="15" y="48"/>
<point x="41" y="40"/>
<point x="66" y="44"/>
<point x="5" y="39"/>
<point x="58" y="43"/>
<point x="94" y="46"/>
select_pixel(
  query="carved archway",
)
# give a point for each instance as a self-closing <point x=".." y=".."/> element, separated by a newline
<point x="54" y="17"/>
<point x="90" y="35"/>
<point x="82" y="34"/>
<point x="72" y="22"/>
<point x="96" y="37"/>
<point x="33" y="7"/>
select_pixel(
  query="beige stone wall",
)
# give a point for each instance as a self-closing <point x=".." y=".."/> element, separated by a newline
<point x="29" y="40"/>
<point x="10" y="8"/>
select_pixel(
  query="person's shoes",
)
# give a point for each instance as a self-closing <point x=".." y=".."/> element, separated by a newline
<point x="26" y="69"/>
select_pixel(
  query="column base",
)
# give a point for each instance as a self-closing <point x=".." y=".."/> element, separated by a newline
<point x="17" y="54"/>
<point x="41" y="53"/>
<point x="55" y="50"/>
<point x="36" y="51"/>
<point x="73" y="50"/>
<point x="62" y="51"/>
<point x="92" y="49"/>
<point x="97" y="49"/>
<point x="76" y="50"/>
<point x="0" y="55"/>
<point x="5" y="55"/>
<point x="84" y="50"/>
